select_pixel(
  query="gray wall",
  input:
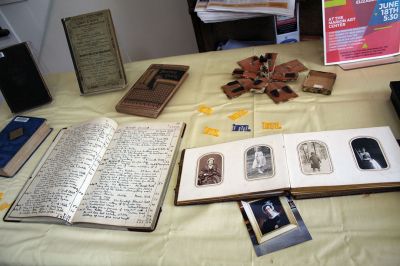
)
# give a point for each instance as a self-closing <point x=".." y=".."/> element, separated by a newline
<point x="145" y="29"/>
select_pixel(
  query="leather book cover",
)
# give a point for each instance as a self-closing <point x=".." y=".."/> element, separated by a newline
<point x="395" y="95"/>
<point x="21" y="82"/>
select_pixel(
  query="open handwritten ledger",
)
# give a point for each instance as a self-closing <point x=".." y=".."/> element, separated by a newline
<point x="101" y="175"/>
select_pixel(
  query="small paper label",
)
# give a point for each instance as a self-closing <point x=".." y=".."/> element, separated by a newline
<point x="238" y="114"/>
<point x="205" y="110"/>
<point x="21" y="119"/>
<point x="240" y="127"/>
<point x="16" y="133"/>
<point x="318" y="86"/>
<point x="4" y="206"/>
<point x="211" y="131"/>
<point x="271" y="125"/>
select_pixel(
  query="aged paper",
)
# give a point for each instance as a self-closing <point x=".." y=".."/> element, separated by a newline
<point x="222" y="170"/>
<point x="132" y="177"/>
<point x="337" y="157"/>
<point x="275" y="7"/>
<point x="95" y="52"/>
<point x="60" y="181"/>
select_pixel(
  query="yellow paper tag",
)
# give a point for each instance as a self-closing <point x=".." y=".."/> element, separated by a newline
<point x="238" y="114"/>
<point x="4" y="206"/>
<point x="205" y="110"/>
<point x="211" y="131"/>
<point x="271" y="125"/>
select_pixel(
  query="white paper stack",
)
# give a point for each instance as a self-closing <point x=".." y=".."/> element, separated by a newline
<point x="211" y="11"/>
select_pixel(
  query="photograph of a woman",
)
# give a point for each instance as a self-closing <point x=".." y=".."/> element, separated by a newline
<point x="209" y="169"/>
<point x="259" y="162"/>
<point x="368" y="154"/>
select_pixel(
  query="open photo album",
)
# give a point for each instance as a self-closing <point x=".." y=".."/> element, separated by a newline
<point x="313" y="164"/>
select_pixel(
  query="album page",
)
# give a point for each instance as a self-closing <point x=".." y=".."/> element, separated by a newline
<point x="343" y="158"/>
<point x="236" y="170"/>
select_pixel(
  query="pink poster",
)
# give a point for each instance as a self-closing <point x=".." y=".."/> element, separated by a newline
<point x="356" y="30"/>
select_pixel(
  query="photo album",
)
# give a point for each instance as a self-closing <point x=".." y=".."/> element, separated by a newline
<point x="313" y="164"/>
<point x="101" y="174"/>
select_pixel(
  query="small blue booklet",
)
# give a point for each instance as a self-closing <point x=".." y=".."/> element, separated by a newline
<point x="18" y="141"/>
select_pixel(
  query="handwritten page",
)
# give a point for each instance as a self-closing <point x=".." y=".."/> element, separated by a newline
<point x="60" y="180"/>
<point x="132" y="179"/>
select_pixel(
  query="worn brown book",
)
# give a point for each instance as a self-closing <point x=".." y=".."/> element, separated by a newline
<point x="101" y="174"/>
<point x="18" y="141"/>
<point x="94" y="49"/>
<point x="151" y="93"/>
<point x="313" y="164"/>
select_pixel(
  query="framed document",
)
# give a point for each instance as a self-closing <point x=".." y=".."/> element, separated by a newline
<point x="95" y="53"/>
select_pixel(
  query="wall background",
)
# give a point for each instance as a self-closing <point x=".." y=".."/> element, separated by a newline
<point x="145" y="29"/>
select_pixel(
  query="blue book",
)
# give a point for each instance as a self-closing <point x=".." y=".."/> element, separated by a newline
<point x="18" y="140"/>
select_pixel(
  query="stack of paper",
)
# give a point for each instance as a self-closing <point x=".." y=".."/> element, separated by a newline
<point x="211" y="11"/>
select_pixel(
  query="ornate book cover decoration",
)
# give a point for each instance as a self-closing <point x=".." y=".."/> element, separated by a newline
<point x="150" y="94"/>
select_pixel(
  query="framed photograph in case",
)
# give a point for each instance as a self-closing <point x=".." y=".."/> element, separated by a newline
<point x="270" y="217"/>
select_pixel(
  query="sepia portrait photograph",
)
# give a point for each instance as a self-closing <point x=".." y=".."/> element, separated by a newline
<point x="259" y="162"/>
<point x="209" y="169"/>
<point x="314" y="158"/>
<point x="368" y="154"/>
<point x="269" y="217"/>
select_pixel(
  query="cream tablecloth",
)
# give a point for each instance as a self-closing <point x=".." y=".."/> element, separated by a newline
<point x="351" y="230"/>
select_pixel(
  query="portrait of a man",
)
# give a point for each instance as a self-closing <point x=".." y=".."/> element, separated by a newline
<point x="314" y="157"/>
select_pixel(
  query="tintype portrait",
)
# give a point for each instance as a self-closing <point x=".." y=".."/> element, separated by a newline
<point x="314" y="157"/>
<point x="368" y="154"/>
<point x="259" y="162"/>
<point x="270" y="214"/>
<point x="209" y="169"/>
